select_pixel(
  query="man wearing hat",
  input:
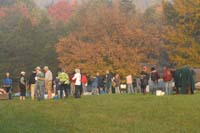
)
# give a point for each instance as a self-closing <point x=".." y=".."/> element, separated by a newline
<point x="39" y="84"/>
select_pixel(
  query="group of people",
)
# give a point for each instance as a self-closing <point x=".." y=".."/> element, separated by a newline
<point x="146" y="79"/>
<point x="41" y="82"/>
<point x="36" y="83"/>
<point x="153" y="80"/>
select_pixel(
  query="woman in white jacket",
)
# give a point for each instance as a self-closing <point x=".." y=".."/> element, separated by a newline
<point x="77" y="78"/>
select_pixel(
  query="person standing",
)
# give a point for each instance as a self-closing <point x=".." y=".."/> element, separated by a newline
<point x="167" y="77"/>
<point x="116" y="81"/>
<point x="84" y="82"/>
<point x="100" y="85"/>
<point x="7" y="85"/>
<point x="22" y="86"/>
<point x="32" y="84"/>
<point x="77" y="78"/>
<point x="129" y="82"/>
<point x="72" y="84"/>
<point x="39" y="85"/>
<point x="154" y="80"/>
<point x="95" y="84"/>
<point x="64" y="84"/>
<point x="144" y="78"/>
<point x="108" y="82"/>
<point x="48" y="81"/>
<point x="56" y="86"/>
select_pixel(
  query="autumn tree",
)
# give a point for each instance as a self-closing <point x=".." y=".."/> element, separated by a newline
<point x="127" y="6"/>
<point x="182" y="33"/>
<point x="62" y="10"/>
<point x="27" y="39"/>
<point x="104" y="37"/>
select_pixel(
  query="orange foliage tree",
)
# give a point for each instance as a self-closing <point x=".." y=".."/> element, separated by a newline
<point x="103" y="37"/>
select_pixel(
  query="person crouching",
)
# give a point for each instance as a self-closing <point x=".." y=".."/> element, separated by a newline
<point x="22" y="86"/>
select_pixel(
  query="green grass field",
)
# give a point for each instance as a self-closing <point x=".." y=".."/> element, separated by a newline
<point x="106" y="113"/>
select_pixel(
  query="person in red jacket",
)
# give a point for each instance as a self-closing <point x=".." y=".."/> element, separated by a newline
<point x="167" y="77"/>
<point x="84" y="82"/>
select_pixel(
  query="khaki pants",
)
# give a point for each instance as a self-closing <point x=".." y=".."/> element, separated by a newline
<point x="48" y="86"/>
<point x="117" y="91"/>
<point x="32" y="91"/>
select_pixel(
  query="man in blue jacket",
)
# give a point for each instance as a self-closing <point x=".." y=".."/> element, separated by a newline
<point x="7" y="84"/>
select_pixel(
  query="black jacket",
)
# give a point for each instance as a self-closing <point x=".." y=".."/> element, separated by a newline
<point x="32" y="79"/>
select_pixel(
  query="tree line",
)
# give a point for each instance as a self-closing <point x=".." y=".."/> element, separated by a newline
<point x="98" y="35"/>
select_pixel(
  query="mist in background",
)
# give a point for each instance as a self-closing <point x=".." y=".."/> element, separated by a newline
<point x="141" y="5"/>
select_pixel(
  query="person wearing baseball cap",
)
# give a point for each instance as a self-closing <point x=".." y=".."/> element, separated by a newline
<point x="39" y="85"/>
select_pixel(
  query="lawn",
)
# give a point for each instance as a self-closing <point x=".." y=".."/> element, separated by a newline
<point x="106" y="113"/>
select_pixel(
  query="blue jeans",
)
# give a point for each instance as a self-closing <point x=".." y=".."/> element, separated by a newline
<point x="153" y="87"/>
<point x="168" y="87"/>
<point x="94" y="88"/>
<point x="108" y="87"/>
<point x="130" y="88"/>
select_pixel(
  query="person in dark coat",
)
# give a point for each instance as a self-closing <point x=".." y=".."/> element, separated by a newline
<point x="108" y="82"/>
<point x="100" y="85"/>
<point x="154" y="80"/>
<point x="32" y="84"/>
<point x="144" y="77"/>
<point x="116" y="81"/>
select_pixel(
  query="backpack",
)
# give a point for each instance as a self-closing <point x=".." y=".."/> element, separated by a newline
<point x="154" y="76"/>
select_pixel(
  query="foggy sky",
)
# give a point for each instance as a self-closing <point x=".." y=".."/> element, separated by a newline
<point x="141" y="5"/>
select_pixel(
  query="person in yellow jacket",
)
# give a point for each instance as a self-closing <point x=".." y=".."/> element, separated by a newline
<point x="64" y="84"/>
